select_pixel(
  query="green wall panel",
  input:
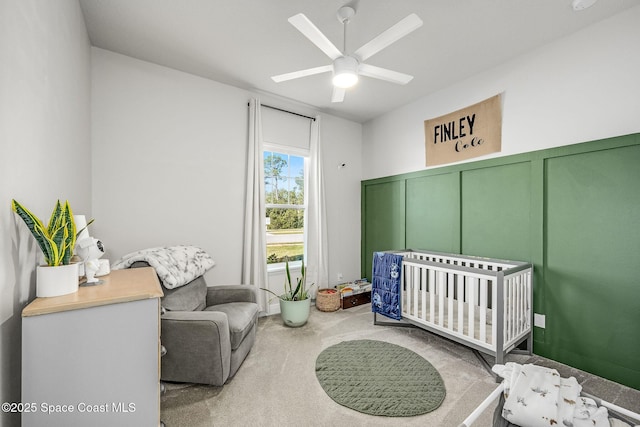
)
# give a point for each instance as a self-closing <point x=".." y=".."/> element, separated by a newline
<point x="496" y="212"/>
<point x="573" y="211"/>
<point x="592" y="249"/>
<point x="383" y="220"/>
<point x="433" y="213"/>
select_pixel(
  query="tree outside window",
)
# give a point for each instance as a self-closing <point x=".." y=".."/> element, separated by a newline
<point x="284" y="176"/>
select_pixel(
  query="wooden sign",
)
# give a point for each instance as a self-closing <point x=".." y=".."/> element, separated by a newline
<point x="464" y="134"/>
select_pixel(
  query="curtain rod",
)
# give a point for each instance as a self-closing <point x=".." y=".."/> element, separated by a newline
<point x="287" y="111"/>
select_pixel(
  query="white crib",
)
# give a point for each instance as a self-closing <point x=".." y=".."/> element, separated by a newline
<point x="483" y="303"/>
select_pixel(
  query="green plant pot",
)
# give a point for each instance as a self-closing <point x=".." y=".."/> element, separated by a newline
<point x="295" y="313"/>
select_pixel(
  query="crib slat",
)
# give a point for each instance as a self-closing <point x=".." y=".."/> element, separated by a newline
<point x="526" y="290"/>
<point x="505" y="307"/>
<point x="525" y="308"/>
<point x="432" y="295"/>
<point x="442" y="290"/>
<point x="416" y="289"/>
<point x="403" y="290"/>
<point x="528" y="303"/>
<point x="450" y="295"/>
<point x="518" y="317"/>
<point x="403" y="294"/>
<point x="514" y="327"/>
<point x="517" y="314"/>
<point x="473" y="285"/>
<point x="460" y="295"/>
<point x="425" y="287"/>
<point x="510" y="310"/>
<point x="519" y="309"/>
<point x="494" y="313"/>
<point x="514" y="316"/>
<point x="407" y="281"/>
<point x="483" y="310"/>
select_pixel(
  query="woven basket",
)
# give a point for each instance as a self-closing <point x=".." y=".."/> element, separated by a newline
<point x="328" y="300"/>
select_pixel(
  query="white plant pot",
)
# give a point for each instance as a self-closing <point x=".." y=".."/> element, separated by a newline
<point x="295" y="313"/>
<point x="56" y="281"/>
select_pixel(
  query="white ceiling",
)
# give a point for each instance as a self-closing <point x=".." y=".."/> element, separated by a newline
<point x="244" y="42"/>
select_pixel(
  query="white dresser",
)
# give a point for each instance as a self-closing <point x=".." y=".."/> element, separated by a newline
<point x="92" y="358"/>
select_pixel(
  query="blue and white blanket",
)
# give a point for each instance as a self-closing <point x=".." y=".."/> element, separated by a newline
<point x="175" y="265"/>
<point x="385" y="284"/>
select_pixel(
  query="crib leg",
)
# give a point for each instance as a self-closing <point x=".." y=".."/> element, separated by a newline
<point x="528" y="347"/>
<point x="485" y="364"/>
<point x="392" y="323"/>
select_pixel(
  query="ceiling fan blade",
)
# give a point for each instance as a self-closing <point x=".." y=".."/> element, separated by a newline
<point x="302" y="73"/>
<point x="316" y="37"/>
<point x="393" y="34"/>
<point x="338" y="94"/>
<point x="384" y="74"/>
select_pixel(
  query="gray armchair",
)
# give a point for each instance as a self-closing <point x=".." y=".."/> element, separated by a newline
<point x="207" y="331"/>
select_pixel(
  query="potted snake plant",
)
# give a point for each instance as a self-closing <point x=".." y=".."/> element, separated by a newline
<point x="295" y="302"/>
<point x="56" y="240"/>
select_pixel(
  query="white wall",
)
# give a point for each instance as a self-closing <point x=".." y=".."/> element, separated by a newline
<point x="583" y="87"/>
<point x="168" y="159"/>
<point x="44" y="149"/>
<point x="169" y="153"/>
<point x="342" y="144"/>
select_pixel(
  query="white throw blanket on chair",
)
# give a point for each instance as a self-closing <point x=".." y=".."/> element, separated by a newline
<point x="536" y="396"/>
<point x="175" y="265"/>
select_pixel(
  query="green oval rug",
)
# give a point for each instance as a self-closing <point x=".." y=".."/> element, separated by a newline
<point x="379" y="378"/>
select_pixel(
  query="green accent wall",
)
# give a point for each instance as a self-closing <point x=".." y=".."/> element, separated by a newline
<point x="439" y="224"/>
<point x="495" y="211"/>
<point x="386" y="229"/>
<point x="572" y="211"/>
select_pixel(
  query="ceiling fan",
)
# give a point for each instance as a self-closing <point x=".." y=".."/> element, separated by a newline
<point x="347" y="67"/>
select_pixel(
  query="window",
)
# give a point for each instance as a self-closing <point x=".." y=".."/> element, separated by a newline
<point x="285" y="178"/>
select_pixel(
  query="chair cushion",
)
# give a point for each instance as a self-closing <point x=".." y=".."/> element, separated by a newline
<point x="190" y="297"/>
<point x="241" y="315"/>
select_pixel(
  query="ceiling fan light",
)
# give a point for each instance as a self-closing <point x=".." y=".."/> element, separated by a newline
<point x="345" y="80"/>
<point x="345" y="72"/>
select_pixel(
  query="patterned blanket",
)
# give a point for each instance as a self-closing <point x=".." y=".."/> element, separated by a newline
<point x="385" y="284"/>
<point x="536" y="396"/>
<point x="175" y="265"/>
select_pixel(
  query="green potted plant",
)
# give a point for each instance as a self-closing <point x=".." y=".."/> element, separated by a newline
<point x="59" y="276"/>
<point x="295" y="301"/>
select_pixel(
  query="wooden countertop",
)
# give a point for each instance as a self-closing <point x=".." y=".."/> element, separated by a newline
<point x="119" y="286"/>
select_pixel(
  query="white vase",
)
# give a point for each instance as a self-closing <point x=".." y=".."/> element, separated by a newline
<point x="295" y="313"/>
<point x="56" y="281"/>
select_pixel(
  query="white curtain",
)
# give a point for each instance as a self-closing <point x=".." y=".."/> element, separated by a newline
<point x="254" y="259"/>
<point x="317" y="253"/>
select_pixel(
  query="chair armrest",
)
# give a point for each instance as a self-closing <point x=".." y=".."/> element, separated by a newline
<point x="221" y="294"/>
<point x="198" y="346"/>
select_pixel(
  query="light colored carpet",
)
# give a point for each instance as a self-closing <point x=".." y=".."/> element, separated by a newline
<point x="379" y="378"/>
<point x="277" y="385"/>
